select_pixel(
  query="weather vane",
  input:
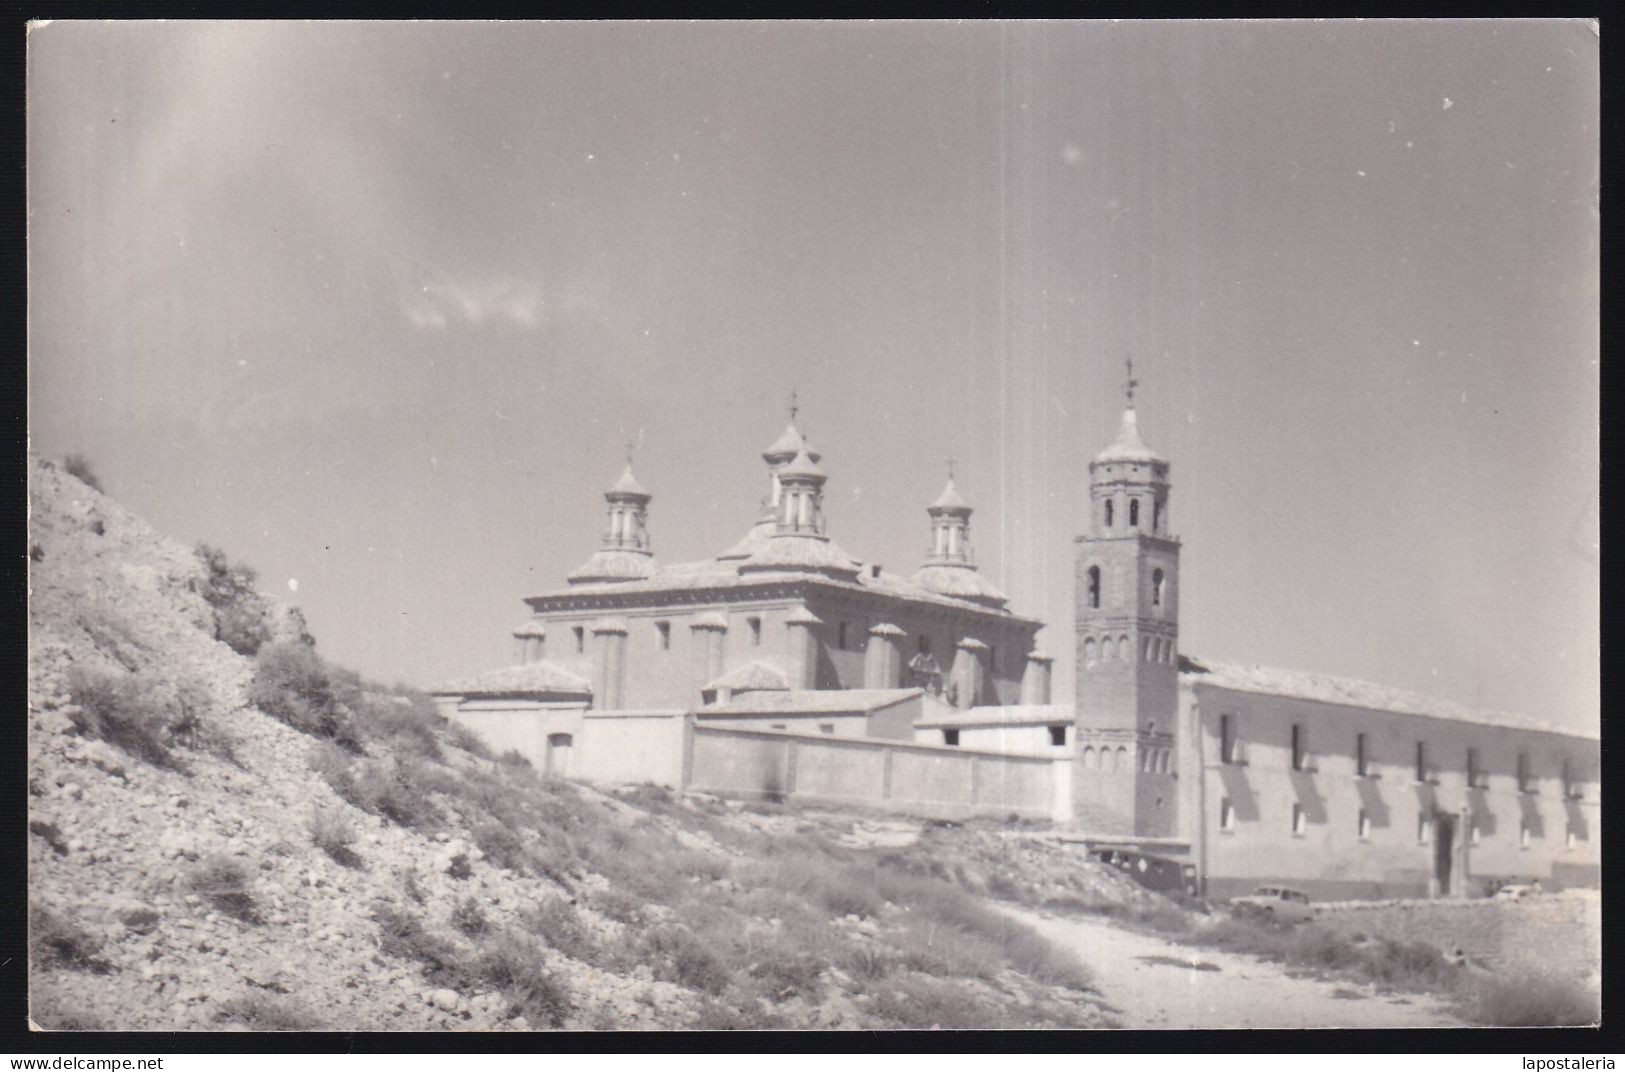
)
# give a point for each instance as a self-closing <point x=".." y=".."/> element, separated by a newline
<point x="1132" y="383"/>
<point x="631" y="445"/>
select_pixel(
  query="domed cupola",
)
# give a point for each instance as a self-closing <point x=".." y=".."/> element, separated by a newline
<point x="625" y="554"/>
<point x="1128" y="481"/>
<point x="950" y="564"/>
<point x="798" y="543"/>
<point x="783" y="451"/>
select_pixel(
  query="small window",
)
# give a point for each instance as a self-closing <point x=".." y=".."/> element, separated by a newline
<point x="1108" y="513"/>
<point x="1473" y="832"/>
<point x="1057" y="736"/>
<point x="1125" y="648"/>
<point x="826" y="727"/>
<point x="950" y="737"/>
<point x="581" y="638"/>
<point x="1361" y="768"/>
<point x="755" y="624"/>
<point x="1297" y="746"/>
<point x="1571" y="789"/>
<point x="840" y="636"/>
<point x="1424" y="827"/>
<point x="1156" y="517"/>
<point x="1421" y="761"/>
<point x="1526" y="783"/>
<point x="1523" y="834"/>
<point x="1088" y="651"/>
<point x="1227" y="815"/>
<point x="1156" y="587"/>
<point x="925" y="644"/>
<point x="1134" y="513"/>
<point x="663" y="633"/>
<point x="1094" y="587"/>
<point x="1475" y="777"/>
<point x="1300" y="820"/>
<point x="1569" y="838"/>
<point x="1365" y="825"/>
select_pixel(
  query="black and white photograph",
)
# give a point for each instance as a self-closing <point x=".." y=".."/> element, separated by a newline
<point x="826" y="525"/>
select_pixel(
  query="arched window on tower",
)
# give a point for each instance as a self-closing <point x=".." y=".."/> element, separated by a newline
<point x="1156" y="587"/>
<point x="1094" y="587"/>
<point x="1108" y="513"/>
<point x="1088" y="651"/>
<point x="1156" y="517"/>
<point x="1125" y="648"/>
<point x="1134" y="513"/>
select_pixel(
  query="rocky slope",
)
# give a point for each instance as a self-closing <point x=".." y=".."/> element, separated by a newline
<point x="216" y="868"/>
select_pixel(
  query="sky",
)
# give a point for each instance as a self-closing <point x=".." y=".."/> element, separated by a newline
<point x="377" y="308"/>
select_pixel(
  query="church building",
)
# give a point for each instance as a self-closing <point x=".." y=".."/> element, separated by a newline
<point x="786" y="667"/>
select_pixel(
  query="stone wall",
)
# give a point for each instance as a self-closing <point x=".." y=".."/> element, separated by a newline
<point x="931" y="780"/>
<point x="1539" y="934"/>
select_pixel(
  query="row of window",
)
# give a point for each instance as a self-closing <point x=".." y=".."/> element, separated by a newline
<point x="1424" y="826"/>
<point x="1091" y="587"/>
<point x="1153" y="649"/>
<point x="1152" y="760"/>
<point x="1110" y="514"/>
<point x="1231" y="751"/>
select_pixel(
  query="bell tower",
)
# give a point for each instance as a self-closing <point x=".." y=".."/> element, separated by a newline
<point x="1127" y="621"/>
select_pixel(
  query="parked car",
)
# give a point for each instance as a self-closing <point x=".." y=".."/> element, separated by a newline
<point x="1278" y="902"/>
<point x="1152" y="872"/>
<point x="1515" y="892"/>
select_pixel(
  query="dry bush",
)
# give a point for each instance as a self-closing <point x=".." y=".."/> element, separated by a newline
<point x="129" y="711"/>
<point x="79" y="466"/>
<point x="1537" y="1001"/>
<point x="53" y="837"/>
<point x="406" y="730"/>
<point x="54" y="942"/>
<point x="468" y="917"/>
<point x="617" y="905"/>
<point x="513" y="964"/>
<point x="557" y="923"/>
<point x="292" y="684"/>
<point x="462" y="737"/>
<point x="334" y="832"/>
<point x="265" y="1012"/>
<point x="678" y="955"/>
<point x="224" y="883"/>
<point x="502" y="846"/>
<point x="402" y="934"/>
<point x="242" y="616"/>
<point x="916" y="1001"/>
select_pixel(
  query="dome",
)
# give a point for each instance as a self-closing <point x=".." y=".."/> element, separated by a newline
<point x="1128" y="446"/>
<point x="801" y="554"/>
<point x="614" y="565"/>
<point x="627" y="485"/>
<point x="804" y="467"/>
<point x="788" y="445"/>
<point x="950" y="501"/>
<point x="960" y="582"/>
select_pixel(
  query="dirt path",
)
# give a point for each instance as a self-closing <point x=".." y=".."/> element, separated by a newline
<point x="1154" y="984"/>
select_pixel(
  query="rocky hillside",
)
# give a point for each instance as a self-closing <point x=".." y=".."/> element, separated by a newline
<point x="228" y="833"/>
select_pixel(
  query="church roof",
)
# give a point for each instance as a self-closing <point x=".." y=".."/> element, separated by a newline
<point x="627" y="484"/>
<point x="530" y="628"/>
<point x="1302" y="685"/>
<point x="959" y="581"/>
<point x="529" y="679"/>
<point x="752" y="541"/>
<point x="804" y="701"/>
<point x="801" y="553"/>
<point x="1128" y="446"/>
<point x="752" y="677"/>
<point x="950" y="500"/>
<point x="788" y="445"/>
<point x="614" y="565"/>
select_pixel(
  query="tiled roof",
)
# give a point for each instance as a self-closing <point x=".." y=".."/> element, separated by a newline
<point x="530" y="628"/>
<point x="802" y="466"/>
<point x="1011" y="715"/>
<point x="818" y="701"/>
<point x="751" y="677"/>
<point x="1301" y="685"/>
<point x="801" y="553"/>
<point x="529" y="679"/>
<point x="606" y="566"/>
<point x="961" y="582"/>
<point x="628" y="484"/>
<point x="788" y="445"/>
<point x="950" y="500"/>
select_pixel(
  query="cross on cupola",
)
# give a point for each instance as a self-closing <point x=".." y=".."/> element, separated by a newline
<point x="1131" y="384"/>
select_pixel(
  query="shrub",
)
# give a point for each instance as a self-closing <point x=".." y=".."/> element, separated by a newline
<point x="459" y="868"/>
<point x="401" y="934"/>
<point x="241" y="614"/>
<point x="868" y="961"/>
<point x="126" y="710"/>
<point x="617" y="905"/>
<point x="513" y="965"/>
<point x="1539" y="1001"/>
<point x="557" y="922"/>
<point x="677" y="955"/>
<point x="333" y="831"/>
<point x="78" y="465"/>
<point x="404" y="729"/>
<point x="263" y="1012"/>
<point x="224" y="883"/>
<point x="292" y="683"/>
<point x="920" y="1002"/>
<point x="469" y="918"/>
<point x="501" y="845"/>
<point x="469" y="741"/>
<point x="54" y="942"/>
<point x="53" y="837"/>
<point x="515" y="758"/>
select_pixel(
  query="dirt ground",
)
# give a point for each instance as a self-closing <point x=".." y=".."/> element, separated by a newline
<point x="1154" y="984"/>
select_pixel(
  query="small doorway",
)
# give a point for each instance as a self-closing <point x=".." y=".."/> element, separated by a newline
<point x="558" y="755"/>
<point x="1444" y="848"/>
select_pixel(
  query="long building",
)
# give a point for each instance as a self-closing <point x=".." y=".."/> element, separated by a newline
<point x="785" y="666"/>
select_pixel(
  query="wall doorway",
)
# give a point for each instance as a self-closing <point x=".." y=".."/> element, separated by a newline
<point x="557" y="764"/>
<point x="1444" y="852"/>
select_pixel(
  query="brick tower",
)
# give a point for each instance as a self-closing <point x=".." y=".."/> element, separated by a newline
<point x="1127" y="643"/>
